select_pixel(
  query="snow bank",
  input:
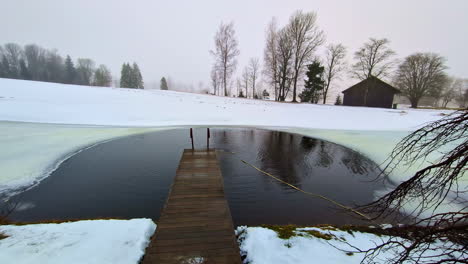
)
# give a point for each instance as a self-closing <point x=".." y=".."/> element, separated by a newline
<point x="30" y="152"/>
<point x="262" y="245"/>
<point x="42" y="102"/>
<point x="97" y="241"/>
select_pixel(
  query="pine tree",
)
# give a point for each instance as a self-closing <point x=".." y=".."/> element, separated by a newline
<point x="137" y="78"/>
<point x="70" y="71"/>
<point x="164" y="84"/>
<point x="125" y="76"/>
<point x="314" y="84"/>
<point x="338" y="100"/>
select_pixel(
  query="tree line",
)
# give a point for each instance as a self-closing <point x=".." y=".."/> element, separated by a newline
<point x="33" y="62"/>
<point x="290" y="54"/>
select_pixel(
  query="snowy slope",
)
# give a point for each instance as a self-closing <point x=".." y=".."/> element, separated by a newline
<point x="97" y="241"/>
<point x="30" y="101"/>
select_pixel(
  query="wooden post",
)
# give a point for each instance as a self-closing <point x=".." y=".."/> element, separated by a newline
<point x="208" y="138"/>
<point x="191" y="137"/>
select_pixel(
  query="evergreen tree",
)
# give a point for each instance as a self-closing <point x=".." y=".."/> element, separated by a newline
<point x="125" y="76"/>
<point x="24" y="71"/>
<point x="338" y="100"/>
<point x="314" y="84"/>
<point x="70" y="71"/>
<point x="137" y="78"/>
<point x="164" y="84"/>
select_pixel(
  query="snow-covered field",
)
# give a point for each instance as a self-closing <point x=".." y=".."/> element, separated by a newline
<point x="29" y="101"/>
<point x="97" y="241"/>
<point x="41" y="124"/>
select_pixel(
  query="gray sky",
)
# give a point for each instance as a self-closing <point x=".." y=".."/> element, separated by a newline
<point x="173" y="38"/>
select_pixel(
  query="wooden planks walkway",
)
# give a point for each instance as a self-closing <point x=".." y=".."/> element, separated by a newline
<point x="195" y="225"/>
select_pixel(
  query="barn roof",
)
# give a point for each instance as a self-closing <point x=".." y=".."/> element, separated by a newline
<point x="374" y="79"/>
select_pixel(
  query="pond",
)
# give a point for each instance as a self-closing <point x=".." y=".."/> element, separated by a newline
<point x="131" y="177"/>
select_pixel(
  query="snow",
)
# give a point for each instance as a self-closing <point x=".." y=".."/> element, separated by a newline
<point x="262" y="245"/>
<point x="97" y="241"/>
<point x="29" y="101"/>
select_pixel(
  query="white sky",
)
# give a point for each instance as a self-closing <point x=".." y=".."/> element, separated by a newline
<point x="173" y="38"/>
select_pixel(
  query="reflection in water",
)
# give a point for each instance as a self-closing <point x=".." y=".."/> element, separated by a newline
<point x="131" y="177"/>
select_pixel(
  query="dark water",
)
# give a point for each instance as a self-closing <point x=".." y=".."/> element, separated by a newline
<point x="131" y="177"/>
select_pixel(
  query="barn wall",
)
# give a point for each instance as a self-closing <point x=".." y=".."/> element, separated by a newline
<point x="354" y="97"/>
<point x="378" y="95"/>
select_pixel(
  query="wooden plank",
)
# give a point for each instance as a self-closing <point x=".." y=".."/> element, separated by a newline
<point x="195" y="224"/>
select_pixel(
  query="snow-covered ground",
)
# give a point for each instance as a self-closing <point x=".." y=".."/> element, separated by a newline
<point x="263" y="246"/>
<point x="29" y="101"/>
<point x="97" y="241"/>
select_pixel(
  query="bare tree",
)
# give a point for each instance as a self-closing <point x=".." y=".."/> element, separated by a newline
<point x="246" y="81"/>
<point x="373" y="59"/>
<point x="334" y="65"/>
<point x="270" y="57"/>
<point x="254" y="69"/>
<point x="442" y="235"/>
<point x="285" y="59"/>
<point x="462" y="94"/>
<point x="102" y="76"/>
<point x="421" y="74"/>
<point x="215" y="80"/>
<point x="85" y="70"/>
<point x="450" y="90"/>
<point x="225" y="53"/>
<point x="13" y="53"/>
<point x="306" y="38"/>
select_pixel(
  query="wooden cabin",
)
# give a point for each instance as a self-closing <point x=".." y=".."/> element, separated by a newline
<point x="371" y="92"/>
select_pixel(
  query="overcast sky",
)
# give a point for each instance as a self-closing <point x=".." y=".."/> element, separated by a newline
<point x="173" y="38"/>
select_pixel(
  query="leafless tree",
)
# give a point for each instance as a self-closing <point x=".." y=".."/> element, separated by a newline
<point x="102" y="76"/>
<point x="462" y="94"/>
<point x="334" y="65"/>
<point x="450" y="90"/>
<point x="421" y="74"/>
<point x="239" y="87"/>
<point x="35" y="59"/>
<point x="225" y="53"/>
<point x="373" y="59"/>
<point x="441" y="237"/>
<point x="306" y="37"/>
<point x="285" y="63"/>
<point x="254" y="69"/>
<point x="13" y="53"/>
<point x="215" y="80"/>
<point x="246" y="81"/>
<point x="85" y="69"/>
<point x="270" y="57"/>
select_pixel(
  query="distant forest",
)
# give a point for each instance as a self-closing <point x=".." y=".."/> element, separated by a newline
<point x="33" y="62"/>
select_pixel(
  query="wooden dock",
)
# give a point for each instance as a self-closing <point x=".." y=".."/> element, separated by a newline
<point x="195" y="225"/>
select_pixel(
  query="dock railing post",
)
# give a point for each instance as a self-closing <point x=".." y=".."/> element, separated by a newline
<point x="191" y="137"/>
<point x="208" y="138"/>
